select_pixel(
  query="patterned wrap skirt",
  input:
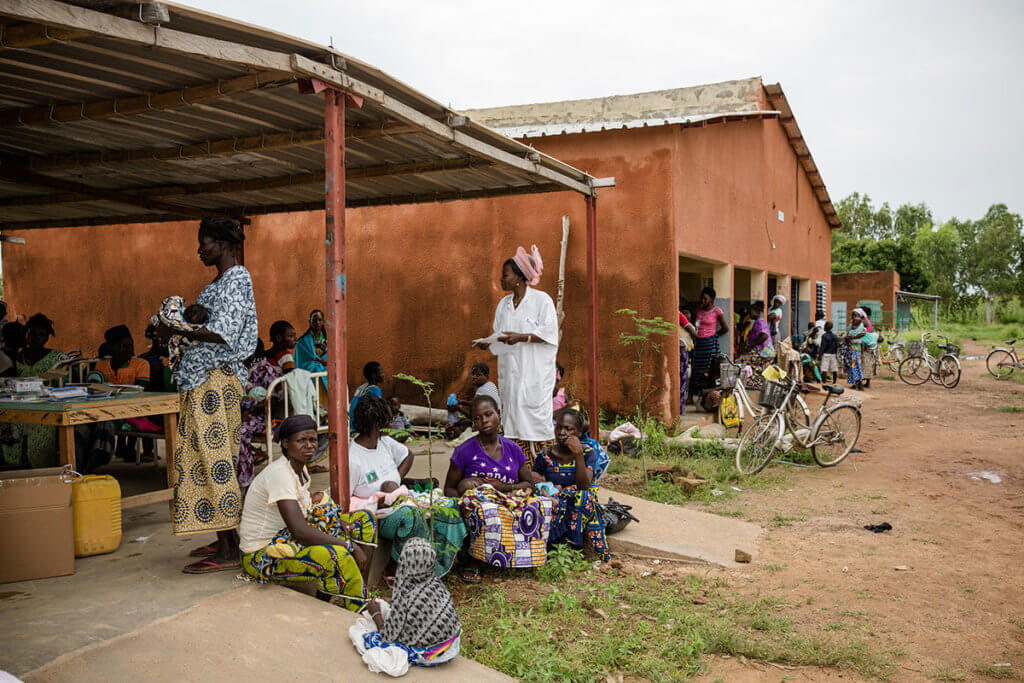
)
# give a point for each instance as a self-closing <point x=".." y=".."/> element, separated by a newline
<point x="507" y="530"/>
<point x="704" y="351"/>
<point x="407" y="521"/>
<point x="532" y="449"/>
<point x="206" y="492"/>
<point x="851" y="362"/>
<point x="577" y="519"/>
<point x="757" y="365"/>
<point x="333" y="567"/>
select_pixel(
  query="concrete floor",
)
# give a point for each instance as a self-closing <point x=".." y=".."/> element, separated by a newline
<point x="141" y="584"/>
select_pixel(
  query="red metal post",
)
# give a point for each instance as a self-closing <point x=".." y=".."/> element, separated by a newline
<point x="592" y="375"/>
<point x="336" y="317"/>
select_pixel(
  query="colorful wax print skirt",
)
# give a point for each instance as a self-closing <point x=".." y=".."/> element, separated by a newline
<point x="507" y="530"/>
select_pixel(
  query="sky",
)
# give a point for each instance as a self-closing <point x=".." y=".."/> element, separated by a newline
<point x="904" y="101"/>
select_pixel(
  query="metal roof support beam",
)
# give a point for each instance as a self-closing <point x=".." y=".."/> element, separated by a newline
<point x="592" y="376"/>
<point x="336" y="320"/>
<point x="24" y="176"/>
<point x="139" y="104"/>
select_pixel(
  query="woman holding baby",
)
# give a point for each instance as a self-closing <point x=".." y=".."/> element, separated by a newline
<point x="210" y="377"/>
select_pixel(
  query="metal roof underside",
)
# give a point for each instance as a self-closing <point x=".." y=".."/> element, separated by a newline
<point x="107" y="119"/>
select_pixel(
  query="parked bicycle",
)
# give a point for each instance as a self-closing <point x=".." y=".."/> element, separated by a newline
<point x="921" y="366"/>
<point x="1003" y="360"/>
<point x="731" y="384"/>
<point x="831" y="435"/>
<point x="893" y="355"/>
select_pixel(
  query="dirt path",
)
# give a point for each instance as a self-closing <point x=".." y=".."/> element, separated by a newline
<point x="946" y="586"/>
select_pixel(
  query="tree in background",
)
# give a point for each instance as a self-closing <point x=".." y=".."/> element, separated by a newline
<point x="963" y="261"/>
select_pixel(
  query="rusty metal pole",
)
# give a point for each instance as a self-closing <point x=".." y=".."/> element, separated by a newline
<point x="336" y="318"/>
<point x="592" y="375"/>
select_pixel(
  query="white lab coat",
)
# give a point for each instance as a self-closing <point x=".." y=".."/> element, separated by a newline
<point x="526" y="373"/>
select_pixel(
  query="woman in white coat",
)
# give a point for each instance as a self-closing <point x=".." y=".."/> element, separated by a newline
<point x="526" y="321"/>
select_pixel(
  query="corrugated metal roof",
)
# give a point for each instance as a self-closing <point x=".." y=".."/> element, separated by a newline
<point x="104" y="118"/>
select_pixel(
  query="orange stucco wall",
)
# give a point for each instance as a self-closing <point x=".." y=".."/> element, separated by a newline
<point x="423" y="280"/>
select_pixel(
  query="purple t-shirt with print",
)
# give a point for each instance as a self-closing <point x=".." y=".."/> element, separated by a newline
<point x="472" y="461"/>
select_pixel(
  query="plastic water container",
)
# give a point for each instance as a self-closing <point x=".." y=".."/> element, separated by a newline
<point x="96" y="500"/>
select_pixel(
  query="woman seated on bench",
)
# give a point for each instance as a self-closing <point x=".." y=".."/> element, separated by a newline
<point x="572" y="466"/>
<point x="288" y="535"/>
<point x="507" y="524"/>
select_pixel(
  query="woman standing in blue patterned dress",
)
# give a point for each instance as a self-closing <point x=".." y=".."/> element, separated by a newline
<point x="210" y="379"/>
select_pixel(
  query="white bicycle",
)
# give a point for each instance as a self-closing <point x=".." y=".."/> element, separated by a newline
<point x="731" y="377"/>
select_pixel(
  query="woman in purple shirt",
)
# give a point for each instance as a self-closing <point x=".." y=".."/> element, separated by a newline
<point x="489" y="458"/>
<point x="507" y="525"/>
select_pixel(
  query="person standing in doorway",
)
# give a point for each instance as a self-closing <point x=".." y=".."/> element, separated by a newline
<point x="210" y="378"/>
<point x="775" y="317"/>
<point x="711" y="323"/>
<point x="525" y="319"/>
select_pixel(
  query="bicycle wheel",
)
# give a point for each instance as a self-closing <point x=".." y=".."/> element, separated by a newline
<point x="1000" y="363"/>
<point x="799" y="418"/>
<point x="758" y="444"/>
<point x="915" y="370"/>
<point x="835" y="434"/>
<point x="948" y="371"/>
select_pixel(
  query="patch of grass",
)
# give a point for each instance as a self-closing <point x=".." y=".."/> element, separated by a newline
<point x="730" y="513"/>
<point x="774" y="567"/>
<point x="599" y="623"/>
<point x="947" y="674"/>
<point x="1011" y="409"/>
<point x="1017" y="377"/>
<point x="708" y="461"/>
<point x="930" y="541"/>
<point x="562" y="561"/>
<point x="995" y="671"/>
<point x="786" y="520"/>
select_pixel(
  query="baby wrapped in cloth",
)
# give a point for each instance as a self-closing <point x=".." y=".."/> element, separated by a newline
<point x="176" y="315"/>
<point x="420" y="627"/>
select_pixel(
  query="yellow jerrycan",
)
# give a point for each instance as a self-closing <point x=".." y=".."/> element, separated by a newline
<point x="96" y="502"/>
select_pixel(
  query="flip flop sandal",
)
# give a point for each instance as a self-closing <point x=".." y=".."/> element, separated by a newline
<point x="470" y="575"/>
<point x="203" y="551"/>
<point x="209" y="567"/>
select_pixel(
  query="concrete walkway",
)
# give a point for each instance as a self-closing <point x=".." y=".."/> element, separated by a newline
<point x="673" y="532"/>
<point x="258" y="633"/>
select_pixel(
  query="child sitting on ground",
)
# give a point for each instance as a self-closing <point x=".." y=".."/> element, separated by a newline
<point x="400" y="425"/>
<point x="419" y="627"/>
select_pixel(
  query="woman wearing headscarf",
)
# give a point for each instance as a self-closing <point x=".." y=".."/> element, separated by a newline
<point x="868" y="345"/>
<point x="35" y="443"/>
<point x="419" y="627"/>
<point x="311" y="349"/>
<point x="775" y="317"/>
<point x="758" y="351"/>
<point x="526" y="321"/>
<point x="850" y="349"/>
<point x="210" y="378"/>
<point x="289" y="535"/>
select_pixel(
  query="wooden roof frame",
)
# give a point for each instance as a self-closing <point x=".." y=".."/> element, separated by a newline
<point x="83" y="131"/>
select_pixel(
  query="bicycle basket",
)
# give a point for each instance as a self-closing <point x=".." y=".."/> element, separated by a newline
<point x="728" y="374"/>
<point x="772" y="395"/>
<point x="953" y="349"/>
<point x="915" y="348"/>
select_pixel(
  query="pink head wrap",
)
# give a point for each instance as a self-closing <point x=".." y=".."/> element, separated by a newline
<point x="530" y="264"/>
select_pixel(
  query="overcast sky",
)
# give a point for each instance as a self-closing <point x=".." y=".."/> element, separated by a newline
<point x="906" y="101"/>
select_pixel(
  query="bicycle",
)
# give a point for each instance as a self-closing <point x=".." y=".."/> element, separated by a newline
<point x="731" y="383"/>
<point x="895" y="354"/>
<point x="1001" y="361"/>
<point x="831" y="436"/>
<point x="921" y="366"/>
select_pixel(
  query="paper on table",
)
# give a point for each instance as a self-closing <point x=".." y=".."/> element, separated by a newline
<point x="497" y="347"/>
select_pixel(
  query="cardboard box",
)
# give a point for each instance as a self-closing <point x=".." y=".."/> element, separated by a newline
<point x="37" y="531"/>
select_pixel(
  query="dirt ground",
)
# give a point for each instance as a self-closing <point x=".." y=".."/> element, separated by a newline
<point x="946" y="585"/>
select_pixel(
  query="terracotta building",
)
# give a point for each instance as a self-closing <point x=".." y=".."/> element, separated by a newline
<point x="715" y="185"/>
